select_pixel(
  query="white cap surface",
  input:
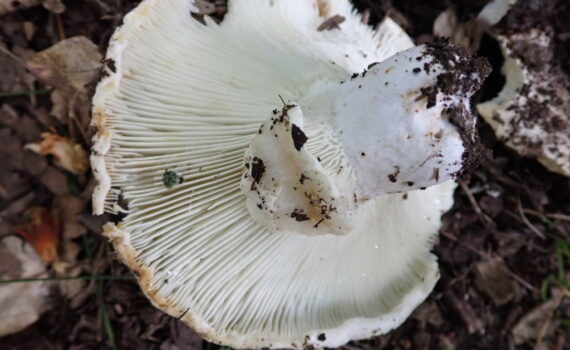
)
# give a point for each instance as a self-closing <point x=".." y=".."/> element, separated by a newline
<point x="189" y="98"/>
<point x="531" y="113"/>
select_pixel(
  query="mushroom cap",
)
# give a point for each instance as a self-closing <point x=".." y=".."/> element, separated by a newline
<point x="184" y="97"/>
<point x="531" y="112"/>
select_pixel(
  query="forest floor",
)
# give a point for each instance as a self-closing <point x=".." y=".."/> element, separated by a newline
<point x="504" y="248"/>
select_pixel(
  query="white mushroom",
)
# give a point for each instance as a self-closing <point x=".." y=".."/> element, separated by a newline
<point x="264" y="160"/>
<point x="531" y="112"/>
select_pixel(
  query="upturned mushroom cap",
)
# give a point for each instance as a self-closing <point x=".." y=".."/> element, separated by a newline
<point x="193" y="134"/>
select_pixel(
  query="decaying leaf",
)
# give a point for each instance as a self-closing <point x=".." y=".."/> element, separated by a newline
<point x="69" y="155"/>
<point x="55" y="181"/>
<point x="21" y="304"/>
<point x="70" y="289"/>
<point x="538" y="323"/>
<point x="7" y="6"/>
<point x="14" y="76"/>
<point x="71" y="207"/>
<point x="59" y="108"/>
<point x="42" y="231"/>
<point x="70" y="64"/>
<point x="55" y="6"/>
<point x="494" y="279"/>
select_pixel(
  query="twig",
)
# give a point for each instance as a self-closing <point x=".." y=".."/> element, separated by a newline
<point x="559" y="342"/>
<point x="102" y="6"/>
<point x="11" y="55"/>
<point x="521" y="280"/>
<point x="526" y="221"/>
<point x="500" y="177"/>
<point x="466" y="245"/>
<point x="485" y="219"/>
<point x="556" y="216"/>
<point x="558" y="297"/>
<point x="3" y="192"/>
<point x="518" y="278"/>
<point x="59" y="24"/>
<point x="465" y="312"/>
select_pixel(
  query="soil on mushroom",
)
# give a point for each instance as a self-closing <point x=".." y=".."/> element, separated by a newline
<point x="497" y="247"/>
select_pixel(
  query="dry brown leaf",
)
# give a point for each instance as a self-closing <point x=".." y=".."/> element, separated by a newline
<point x="70" y="64"/>
<point x="59" y="105"/>
<point x="7" y="6"/>
<point x="70" y="208"/>
<point x="55" y="6"/>
<point x="13" y="73"/>
<point x="42" y="231"/>
<point x="17" y="206"/>
<point x="538" y="323"/>
<point x="55" y="181"/>
<point x="69" y="155"/>
<point x="71" y="288"/>
<point x="494" y="279"/>
<point x="21" y="304"/>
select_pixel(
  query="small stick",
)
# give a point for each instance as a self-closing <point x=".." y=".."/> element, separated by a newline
<point x="526" y="221"/>
<point x="485" y="219"/>
<point x="59" y="25"/>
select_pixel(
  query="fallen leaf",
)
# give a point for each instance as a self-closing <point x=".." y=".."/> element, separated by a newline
<point x="69" y="155"/>
<point x="70" y="208"/>
<point x="70" y="64"/>
<point x="42" y="231"/>
<point x="8" y="115"/>
<point x="181" y="337"/>
<point x="428" y="313"/>
<point x="12" y="71"/>
<point x="17" y="206"/>
<point x="71" y="288"/>
<point x="34" y="164"/>
<point x="465" y="312"/>
<point x="13" y="184"/>
<point x="11" y="149"/>
<point x="59" y="105"/>
<point x="55" y="6"/>
<point x="55" y="181"/>
<point x="94" y="223"/>
<point x="68" y="265"/>
<point x="538" y="322"/>
<point x="494" y="279"/>
<point x="28" y="129"/>
<point x="21" y="304"/>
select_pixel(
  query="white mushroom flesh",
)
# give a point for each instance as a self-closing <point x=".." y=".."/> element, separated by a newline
<point x="189" y="98"/>
<point x="386" y="130"/>
<point x="531" y="114"/>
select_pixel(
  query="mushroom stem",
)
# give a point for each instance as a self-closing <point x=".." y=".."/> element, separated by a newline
<point x="401" y="125"/>
<point x="404" y="123"/>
